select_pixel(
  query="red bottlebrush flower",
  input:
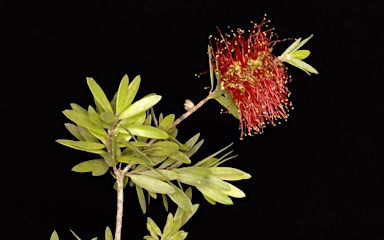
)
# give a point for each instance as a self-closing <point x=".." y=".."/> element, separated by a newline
<point x="255" y="79"/>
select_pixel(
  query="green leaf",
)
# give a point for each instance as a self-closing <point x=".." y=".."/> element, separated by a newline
<point x="300" y="54"/>
<point x="133" y="160"/>
<point x="234" y="192"/>
<point x="99" y="95"/>
<point x="211" y="67"/>
<point x="91" y="147"/>
<point x="180" y="235"/>
<point x="191" y="142"/>
<point x="100" y="168"/>
<point x="202" y="171"/>
<point x="87" y="135"/>
<point x="122" y="94"/>
<point x="140" y="106"/>
<point x="86" y="166"/>
<point x="167" y="122"/>
<point x="132" y="90"/>
<point x="168" y="226"/>
<point x="108" y="234"/>
<point x="195" y="148"/>
<point x="96" y="119"/>
<point x="74" y="130"/>
<point x="215" y="194"/>
<point x="217" y="183"/>
<point x="152" y="184"/>
<point x="83" y="120"/>
<point x="108" y="117"/>
<point x="165" y="202"/>
<point x="154" y="226"/>
<point x="181" y="199"/>
<point x="212" y="155"/>
<point x="54" y="236"/>
<point x="180" y="156"/>
<point x="78" y="108"/>
<point x="229" y="174"/>
<point x="141" y="197"/>
<point x="146" y="131"/>
<point x="302" y="65"/>
<point x="74" y="234"/>
<point x="191" y="179"/>
<point x="185" y="216"/>
<point x="163" y="148"/>
<point x="161" y="174"/>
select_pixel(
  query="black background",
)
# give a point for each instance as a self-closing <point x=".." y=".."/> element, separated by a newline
<point x="317" y="176"/>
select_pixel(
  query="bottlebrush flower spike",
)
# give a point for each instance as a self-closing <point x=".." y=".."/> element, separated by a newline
<point x="255" y="79"/>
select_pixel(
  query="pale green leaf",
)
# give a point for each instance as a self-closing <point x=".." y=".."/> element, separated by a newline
<point x="154" y="226"/>
<point x="201" y="171"/>
<point x="108" y="117"/>
<point x="152" y="184"/>
<point x="165" y="202"/>
<point x="54" y="236"/>
<point x="140" y="106"/>
<point x="96" y="119"/>
<point x="302" y="65"/>
<point x="168" y="226"/>
<point x="212" y="155"/>
<point x="132" y="160"/>
<point x="108" y="234"/>
<point x="163" y="148"/>
<point x="215" y="194"/>
<point x="191" y="179"/>
<point x="146" y="131"/>
<point x="132" y="91"/>
<point x="74" y="130"/>
<point x="86" y="166"/>
<point x="74" y="234"/>
<point x="100" y="168"/>
<point x="180" y="235"/>
<point x="191" y="142"/>
<point x="78" y="108"/>
<point x="300" y="54"/>
<point x="234" y="192"/>
<point x="83" y="120"/>
<point x="99" y="95"/>
<point x="122" y="94"/>
<point x="161" y="174"/>
<point x="91" y="147"/>
<point x="228" y="173"/>
<point x="180" y="156"/>
<point x="87" y="135"/>
<point x="167" y="122"/>
<point x="215" y="182"/>
<point x="141" y="197"/>
<point x="195" y="148"/>
<point x="181" y="199"/>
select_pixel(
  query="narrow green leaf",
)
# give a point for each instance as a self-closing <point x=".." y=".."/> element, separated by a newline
<point x="132" y="91"/>
<point x="229" y="174"/>
<point x="163" y="148"/>
<point x="152" y="184"/>
<point x="96" y="119"/>
<point x="73" y="129"/>
<point x="291" y="48"/>
<point x="302" y="65"/>
<point x="175" y="228"/>
<point x="167" y="163"/>
<point x="91" y="147"/>
<point x="226" y="102"/>
<point x="141" y="197"/>
<point x="181" y="199"/>
<point x="87" y="135"/>
<point x="191" y="179"/>
<point x="83" y="120"/>
<point x="191" y="142"/>
<point x="195" y="148"/>
<point x="185" y="216"/>
<point x="146" y="131"/>
<point x="168" y="226"/>
<point x="74" y="234"/>
<point x="167" y="122"/>
<point x="215" y="182"/>
<point x="234" y="192"/>
<point x="180" y="156"/>
<point x="100" y="168"/>
<point x="140" y="106"/>
<point x="99" y="95"/>
<point x="212" y="155"/>
<point x="180" y="235"/>
<point x="78" y="108"/>
<point x="211" y="68"/>
<point x="108" y="234"/>
<point x="165" y="202"/>
<point x="108" y="117"/>
<point x="54" y="236"/>
<point x="201" y="171"/>
<point x="300" y="54"/>
<point x="215" y="194"/>
<point x="86" y="166"/>
<point x="210" y="200"/>
<point x="154" y="226"/>
<point x="133" y="160"/>
<point x="122" y="95"/>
